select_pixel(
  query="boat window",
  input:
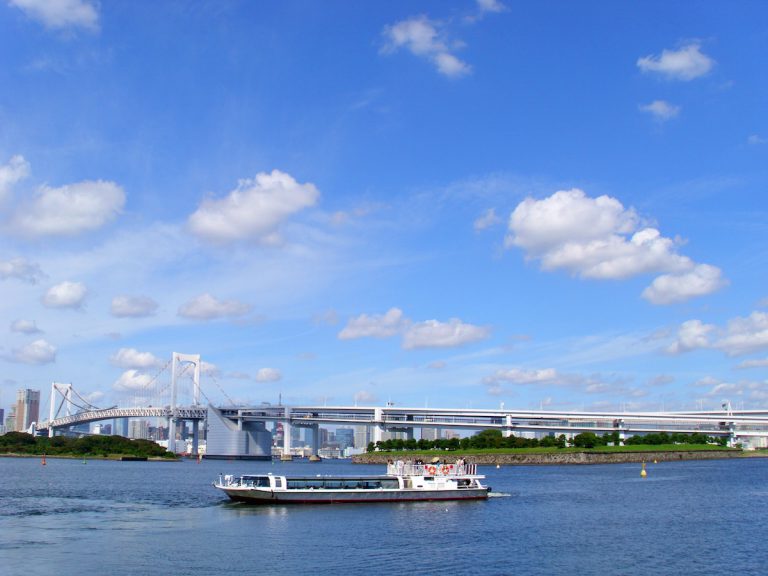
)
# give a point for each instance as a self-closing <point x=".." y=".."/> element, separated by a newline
<point x="279" y="482"/>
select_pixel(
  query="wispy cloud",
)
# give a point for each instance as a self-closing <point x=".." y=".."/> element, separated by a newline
<point x="207" y="307"/>
<point x="61" y="14"/>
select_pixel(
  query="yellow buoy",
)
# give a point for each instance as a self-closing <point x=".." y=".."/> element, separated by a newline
<point x="643" y="473"/>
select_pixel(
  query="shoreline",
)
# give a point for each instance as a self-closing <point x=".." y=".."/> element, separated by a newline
<point x="577" y="458"/>
<point x="115" y="457"/>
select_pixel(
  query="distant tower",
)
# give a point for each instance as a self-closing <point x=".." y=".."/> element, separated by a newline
<point x="27" y="408"/>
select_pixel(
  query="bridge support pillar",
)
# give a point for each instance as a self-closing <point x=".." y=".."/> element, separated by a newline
<point x="195" y="437"/>
<point x="287" y="433"/>
<point x="378" y="425"/>
<point x="315" y="439"/>
<point x="506" y="432"/>
<point x="172" y="434"/>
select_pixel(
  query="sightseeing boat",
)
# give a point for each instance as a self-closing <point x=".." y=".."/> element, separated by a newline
<point x="403" y="482"/>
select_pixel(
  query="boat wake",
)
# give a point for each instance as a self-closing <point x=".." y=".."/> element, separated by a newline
<point x="499" y="495"/>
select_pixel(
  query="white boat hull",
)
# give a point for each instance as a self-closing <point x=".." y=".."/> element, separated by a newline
<point x="261" y="496"/>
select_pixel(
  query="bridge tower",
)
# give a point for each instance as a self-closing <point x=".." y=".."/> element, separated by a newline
<point x="65" y="392"/>
<point x="176" y="361"/>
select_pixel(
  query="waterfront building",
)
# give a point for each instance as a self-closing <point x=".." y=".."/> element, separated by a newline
<point x="27" y="408"/>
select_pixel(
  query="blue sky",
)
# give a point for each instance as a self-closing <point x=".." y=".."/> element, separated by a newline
<point x="453" y="204"/>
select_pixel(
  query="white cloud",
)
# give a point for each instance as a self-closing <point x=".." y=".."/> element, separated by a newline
<point x="599" y="238"/>
<point x="65" y="295"/>
<point x="36" y="353"/>
<point x="132" y="380"/>
<point x="374" y="326"/>
<point x="207" y="307"/>
<point x="61" y="13"/>
<point x="519" y="376"/>
<point x="132" y="358"/>
<point x="686" y="63"/>
<point x="434" y="334"/>
<point x="758" y="363"/>
<point x="691" y="335"/>
<point x="268" y="375"/>
<point x="421" y="37"/>
<point x="491" y="6"/>
<point x="487" y="220"/>
<point x="25" y="327"/>
<point x="69" y="210"/>
<point x="740" y="336"/>
<point x="365" y="397"/>
<point x="254" y="210"/>
<point x="133" y="306"/>
<point x="20" y="269"/>
<point x="672" y="288"/>
<point x="745" y="335"/>
<point x="661" y="110"/>
<point x="15" y="170"/>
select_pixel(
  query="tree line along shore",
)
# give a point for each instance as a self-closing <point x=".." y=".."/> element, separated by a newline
<point x="491" y="447"/>
<point x="22" y="444"/>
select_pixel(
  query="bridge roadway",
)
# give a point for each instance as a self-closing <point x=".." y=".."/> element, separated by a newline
<point x="181" y="413"/>
<point x="735" y="423"/>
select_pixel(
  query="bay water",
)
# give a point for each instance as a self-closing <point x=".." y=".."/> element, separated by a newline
<point x="113" y="518"/>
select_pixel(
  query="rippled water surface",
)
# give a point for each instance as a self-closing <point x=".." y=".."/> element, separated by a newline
<point x="113" y="518"/>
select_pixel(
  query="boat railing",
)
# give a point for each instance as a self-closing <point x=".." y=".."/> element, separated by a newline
<point x="401" y="468"/>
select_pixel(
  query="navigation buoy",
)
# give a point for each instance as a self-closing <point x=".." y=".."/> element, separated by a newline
<point x="655" y="461"/>
<point x="43" y="460"/>
<point x="498" y="466"/>
<point x="643" y="473"/>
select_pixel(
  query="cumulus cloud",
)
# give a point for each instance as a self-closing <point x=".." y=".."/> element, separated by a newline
<point x="15" y="170"/>
<point x="691" y="335"/>
<point x="684" y="64"/>
<point x="374" y="325"/>
<point x="132" y="358"/>
<point x="672" y="288"/>
<point x="434" y="334"/>
<point x="254" y="210"/>
<point x="598" y="238"/>
<point x="131" y="381"/>
<point x="420" y="36"/>
<point x="268" y="375"/>
<point x="69" y="210"/>
<point x="427" y="334"/>
<point x="740" y="336"/>
<point x="36" y="353"/>
<point x="61" y="14"/>
<point x="133" y="306"/>
<point x="25" y="327"/>
<point x="20" y="269"/>
<point x="661" y="110"/>
<point x="65" y="295"/>
<point x="207" y="307"/>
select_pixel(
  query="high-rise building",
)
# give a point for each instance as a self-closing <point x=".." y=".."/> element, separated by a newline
<point x="27" y="408"/>
<point x="139" y="429"/>
<point x="10" y="421"/>
<point x="345" y="437"/>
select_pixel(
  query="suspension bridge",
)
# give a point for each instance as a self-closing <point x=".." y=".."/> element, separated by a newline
<point x="240" y="431"/>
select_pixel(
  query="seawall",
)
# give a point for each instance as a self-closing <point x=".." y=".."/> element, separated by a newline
<point x="561" y="458"/>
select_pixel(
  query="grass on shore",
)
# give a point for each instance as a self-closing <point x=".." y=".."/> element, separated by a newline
<point x="540" y="450"/>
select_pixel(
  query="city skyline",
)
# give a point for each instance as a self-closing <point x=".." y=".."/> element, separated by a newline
<point x="433" y="204"/>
